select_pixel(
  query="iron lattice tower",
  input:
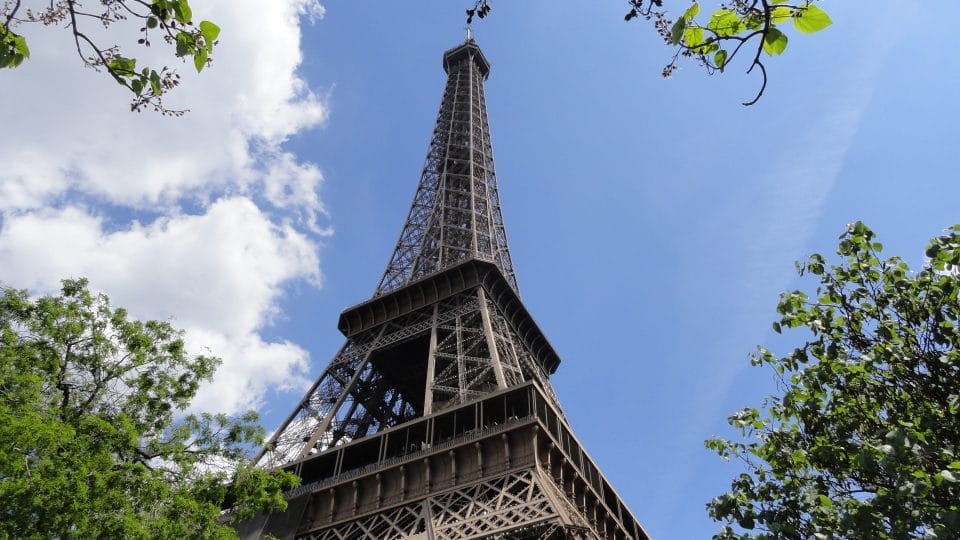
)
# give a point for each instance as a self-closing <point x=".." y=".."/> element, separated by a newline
<point x="436" y="420"/>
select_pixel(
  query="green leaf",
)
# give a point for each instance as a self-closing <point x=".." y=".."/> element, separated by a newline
<point x="691" y="11"/>
<point x="780" y="14"/>
<point x="155" y="83"/>
<point x="210" y="32"/>
<point x="137" y="85"/>
<point x="693" y="36"/>
<point x="13" y="48"/>
<point x="774" y="42"/>
<point x="676" y="33"/>
<point x="20" y="46"/>
<point x="152" y="22"/>
<point x="200" y="59"/>
<point x="811" y="19"/>
<point x="720" y="59"/>
<point x="754" y="23"/>
<point x="182" y="11"/>
<point x="185" y="44"/>
<point x="124" y="67"/>
<point x="725" y="22"/>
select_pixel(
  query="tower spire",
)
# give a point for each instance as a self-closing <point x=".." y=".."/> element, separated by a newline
<point x="455" y="214"/>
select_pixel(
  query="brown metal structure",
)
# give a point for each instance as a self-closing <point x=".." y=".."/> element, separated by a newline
<point x="437" y="420"/>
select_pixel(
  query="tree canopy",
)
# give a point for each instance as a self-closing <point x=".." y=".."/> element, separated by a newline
<point x="754" y="26"/>
<point x="93" y="440"/>
<point x="169" y="22"/>
<point x="864" y="441"/>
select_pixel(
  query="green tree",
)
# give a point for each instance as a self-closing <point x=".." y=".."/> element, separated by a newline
<point x="91" y="445"/>
<point x="864" y="441"/>
<point x="754" y="26"/>
<point x="169" y="20"/>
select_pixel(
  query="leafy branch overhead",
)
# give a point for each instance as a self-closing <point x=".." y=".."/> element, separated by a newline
<point x="170" y="20"/>
<point x="755" y="26"/>
<point x="716" y="41"/>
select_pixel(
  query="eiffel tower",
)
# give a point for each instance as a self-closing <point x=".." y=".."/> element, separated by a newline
<point x="436" y="420"/>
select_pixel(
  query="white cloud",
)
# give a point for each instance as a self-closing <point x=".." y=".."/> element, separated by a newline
<point x="73" y="128"/>
<point x="74" y="162"/>
<point x="290" y="185"/>
<point x="254" y="368"/>
<point x="217" y="275"/>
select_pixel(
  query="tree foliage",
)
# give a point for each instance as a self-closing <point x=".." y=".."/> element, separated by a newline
<point x="755" y="26"/>
<point x="864" y="441"/>
<point x="170" y="20"/>
<point x="90" y="441"/>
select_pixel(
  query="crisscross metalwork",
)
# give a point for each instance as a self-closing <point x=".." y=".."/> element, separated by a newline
<point x="455" y="212"/>
<point x="515" y="502"/>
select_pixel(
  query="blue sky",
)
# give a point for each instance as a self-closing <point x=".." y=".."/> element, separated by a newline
<point x="652" y="221"/>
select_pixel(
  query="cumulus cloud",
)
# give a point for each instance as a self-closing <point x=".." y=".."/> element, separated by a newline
<point x="201" y="219"/>
<point x="217" y="275"/>
<point x="74" y="131"/>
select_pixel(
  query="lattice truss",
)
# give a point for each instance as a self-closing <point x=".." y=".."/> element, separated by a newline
<point x="456" y="209"/>
<point x="515" y="506"/>
<point x="439" y="356"/>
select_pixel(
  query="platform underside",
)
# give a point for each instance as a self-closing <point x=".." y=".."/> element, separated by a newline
<point x="506" y="466"/>
<point x="515" y="505"/>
